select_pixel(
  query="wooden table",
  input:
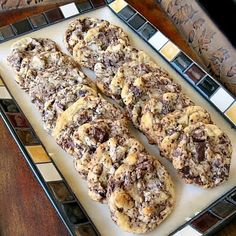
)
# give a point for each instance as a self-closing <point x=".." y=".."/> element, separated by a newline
<point x="24" y="207"/>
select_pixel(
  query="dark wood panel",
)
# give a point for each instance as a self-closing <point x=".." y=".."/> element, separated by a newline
<point x="24" y="207"/>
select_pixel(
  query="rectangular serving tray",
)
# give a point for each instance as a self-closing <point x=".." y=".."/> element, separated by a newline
<point x="190" y="199"/>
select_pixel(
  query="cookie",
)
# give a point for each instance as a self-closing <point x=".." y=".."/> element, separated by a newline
<point x="89" y="136"/>
<point x="140" y="194"/>
<point x="48" y="66"/>
<point x="110" y="63"/>
<point x="87" y="52"/>
<point x="77" y="30"/>
<point x="107" y="158"/>
<point x="51" y="105"/>
<point x="134" y="68"/>
<point x="28" y="47"/>
<point x="135" y="93"/>
<point x="84" y="110"/>
<point x="158" y="107"/>
<point x="202" y="155"/>
<point x="171" y="126"/>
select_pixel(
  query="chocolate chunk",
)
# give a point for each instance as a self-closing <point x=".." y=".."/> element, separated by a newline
<point x="185" y="170"/>
<point x="82" y="93"/>
<point x="100" y="135"/>
<point x="200" y="151"/>
<point x="137" y="92"/>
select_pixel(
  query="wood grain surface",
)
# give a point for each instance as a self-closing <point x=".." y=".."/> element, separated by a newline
<point x="24" y="207"/>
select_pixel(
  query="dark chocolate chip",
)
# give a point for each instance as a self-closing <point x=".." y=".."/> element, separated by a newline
<point x="100" y="135"/>
<point x="200" y="151"/>
<point x="60" y="191"/>
<point x="185" y="170"/>
<point x="74" y="213"/>
<point x="22" y="26"/>
<point x="54" y="15"/>
<point x="137" y="21"/>
<point x="127" y="12"/>
<point x="38" y="20"/>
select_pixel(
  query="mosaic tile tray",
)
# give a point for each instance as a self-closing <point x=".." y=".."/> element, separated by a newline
<point x="198" y="211"/>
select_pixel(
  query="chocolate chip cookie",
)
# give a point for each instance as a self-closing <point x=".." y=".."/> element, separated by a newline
<point x="89" y="136"/>
<point x="107" y="158"/>
<point x="158" y="107"/>
<point x="202" y="155"/>
<point x="171" y="126"/>
<point x="48" y="66"/>
<point x="135" y="67"/>
<point x="140" y="194"/>
<point x="84" y="110"/>
<point x="97" y="40"/>
<point x="27" y="48"/>
<point x="52" y="105"/>
<point x="135" y="93"/>
<point x="110" y="63"/>
<point x="77" y="30"/>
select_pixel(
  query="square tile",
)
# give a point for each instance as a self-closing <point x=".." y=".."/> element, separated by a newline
<point x="208" y="86"/>
<point x="53" y="15"/>
<point x="233" y="196"/>
<point x="147" y="31"/>
<point x="231" y="113"/>
<point x="126" y="13"/>
<point x="98" y="3"/>
<point x="136" y="21"/>
<point x="27" y="137"/>
<point x="84" y="5"/>
<point x="6" y="32"/>
<point x="158" y="40"/>
<point x="222" y="99"/>
<point x="169" y="51"/>
<point x="187" y="231"/>
<point x="9" y="105"/>
<point x="49" y="172"/>
<point x="204" y="222"/>
<point x="38" y="20"/>
<point x="74" y="213"/>
<point x="17" y="120"/>
<point x="223" y="209"/>
<point x="38" y="154"/>
<point x="60" y="191"/>
<point x="69" y="10"/>
<point x="85" y="230"/>
<point x="22" y="26"/>
<point x="118" y="5"/>
<point x="4" y="94"/>
<point x="182" y="62"/>
<point x="194" y="73"/>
